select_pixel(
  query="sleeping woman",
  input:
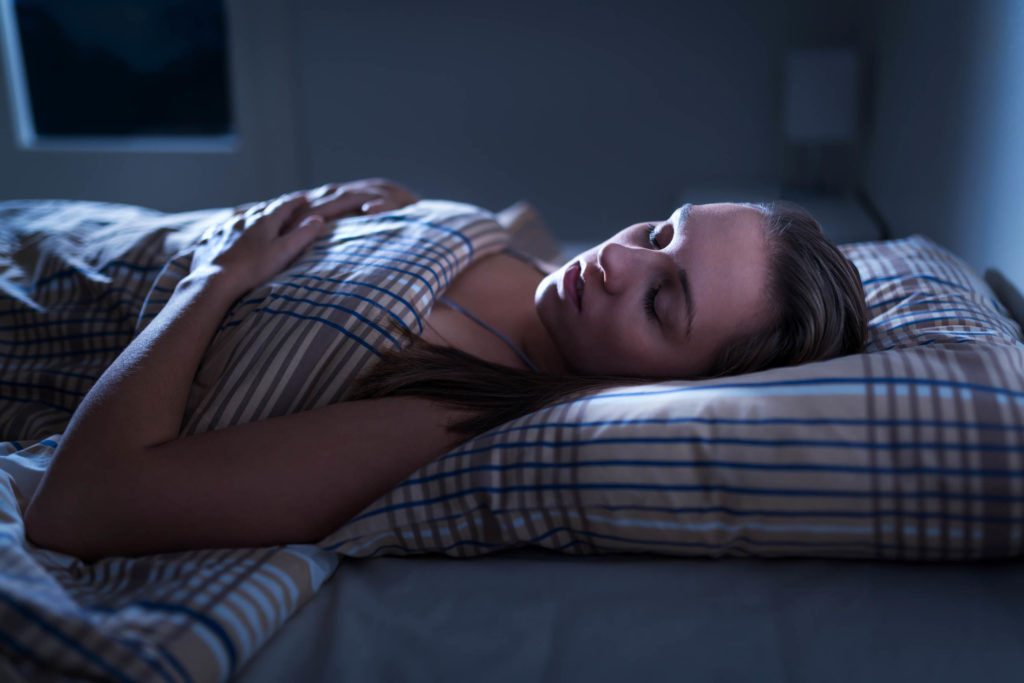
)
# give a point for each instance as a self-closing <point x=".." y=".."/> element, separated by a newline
<point x="712" y="290"/>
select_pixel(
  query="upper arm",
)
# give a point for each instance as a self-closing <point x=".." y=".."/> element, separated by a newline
<point x="287" y="479"/>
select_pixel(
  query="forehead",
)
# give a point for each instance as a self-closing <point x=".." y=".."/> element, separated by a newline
<point x="711" y="224"/>
<point x="724" y="250"/>
<point x="723" y="214"/>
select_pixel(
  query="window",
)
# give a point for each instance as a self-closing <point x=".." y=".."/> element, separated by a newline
<point x="118" y="73"/>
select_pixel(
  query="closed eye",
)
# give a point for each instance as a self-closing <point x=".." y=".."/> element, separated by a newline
<point x="652" y="312"/>
<point x="659" y="235"/>
<point x="652" y="235"/>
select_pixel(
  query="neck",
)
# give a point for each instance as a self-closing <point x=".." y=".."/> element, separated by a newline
<point x="529" y="332"/>
<point x="501" y="291"/>
<point x="538" y="345"/>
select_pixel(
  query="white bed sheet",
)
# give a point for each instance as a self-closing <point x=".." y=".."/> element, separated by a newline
<point x="534" y="616"/>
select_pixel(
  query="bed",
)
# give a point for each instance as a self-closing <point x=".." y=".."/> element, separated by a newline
<point x="858" y="518"/>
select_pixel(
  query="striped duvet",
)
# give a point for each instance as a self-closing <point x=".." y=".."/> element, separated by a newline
<point x="910" y="451"/>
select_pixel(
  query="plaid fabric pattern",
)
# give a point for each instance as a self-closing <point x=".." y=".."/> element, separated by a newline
<point x="911" y="451"/>
<point x="79" y="281"/>
<point x="919" y="294"/>
<point x="908" y="452"/>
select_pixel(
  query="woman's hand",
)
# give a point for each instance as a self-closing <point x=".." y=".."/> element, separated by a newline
<point x="259" y="243"/>
<point x="357" y="198"/>
<point x="370" y="196"/>
<point x="265" y="237"/>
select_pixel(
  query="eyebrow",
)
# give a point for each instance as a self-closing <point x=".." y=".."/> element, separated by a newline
<point x="684" y="280"/>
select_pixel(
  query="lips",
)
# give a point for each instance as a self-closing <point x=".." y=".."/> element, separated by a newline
<point x="572" y="285"/>
<point x="579" y="288"/>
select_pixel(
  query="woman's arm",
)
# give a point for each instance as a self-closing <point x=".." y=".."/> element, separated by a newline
<point x="123" y="482"/>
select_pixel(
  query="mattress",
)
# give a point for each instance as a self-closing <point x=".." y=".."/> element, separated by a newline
<point x="535" y="616"/>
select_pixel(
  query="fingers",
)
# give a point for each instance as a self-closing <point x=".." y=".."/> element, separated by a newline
<point x="337" y="205"/>
<point x="377" y="206"/>
<point x="279" y="212"/>
<point x="297" y="239"/>
<point x="322" y="191"/>
<point x="372" y="195"/>
<point x="329" y="201"/>
<point x="292" y="242"/>
<point x="286" y="203"/>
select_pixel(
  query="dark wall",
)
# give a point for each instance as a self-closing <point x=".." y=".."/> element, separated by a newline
<point x="598" y="112"/>
<point x="947" y="156"/>
<point x="601" y="113"/>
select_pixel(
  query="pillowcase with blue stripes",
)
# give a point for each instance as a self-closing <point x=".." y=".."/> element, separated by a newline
<point x="908" y="451"/>
<point x="919" y="293"/>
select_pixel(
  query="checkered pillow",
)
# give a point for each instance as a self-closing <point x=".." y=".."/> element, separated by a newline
<point x="919" y="293"/>
<point x="909" y="451"/>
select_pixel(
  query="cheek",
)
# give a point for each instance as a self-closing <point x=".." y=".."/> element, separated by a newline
<point x="583" y="350"/>
<point x="635" y="352"/>
<point x="617" y="344"/>
<point x="613" y="351"/>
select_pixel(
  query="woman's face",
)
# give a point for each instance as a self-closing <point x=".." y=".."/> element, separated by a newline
<point x="659" y="298"/>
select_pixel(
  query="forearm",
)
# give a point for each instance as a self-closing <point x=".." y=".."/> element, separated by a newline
<point x="124" y="482"/>
<point x="137" y="404"/>
<point x="140" y="400"/>
<point x="284" y="480"/>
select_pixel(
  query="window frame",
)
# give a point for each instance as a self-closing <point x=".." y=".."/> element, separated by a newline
<point x="23" y="118"/>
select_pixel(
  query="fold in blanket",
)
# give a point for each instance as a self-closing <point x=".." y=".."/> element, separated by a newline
<point x="80" y="280"/>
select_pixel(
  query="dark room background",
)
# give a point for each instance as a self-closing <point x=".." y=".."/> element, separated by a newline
<point x="599" y="113"/>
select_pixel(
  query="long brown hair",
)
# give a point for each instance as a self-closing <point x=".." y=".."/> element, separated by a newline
<point x="816" y="295"/>
<point x="818" y="312"/>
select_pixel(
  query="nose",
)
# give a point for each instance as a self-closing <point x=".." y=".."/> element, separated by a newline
<point x="622" y="265"/>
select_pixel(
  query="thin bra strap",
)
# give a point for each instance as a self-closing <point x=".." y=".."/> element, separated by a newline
<point x="445" y="300"/>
